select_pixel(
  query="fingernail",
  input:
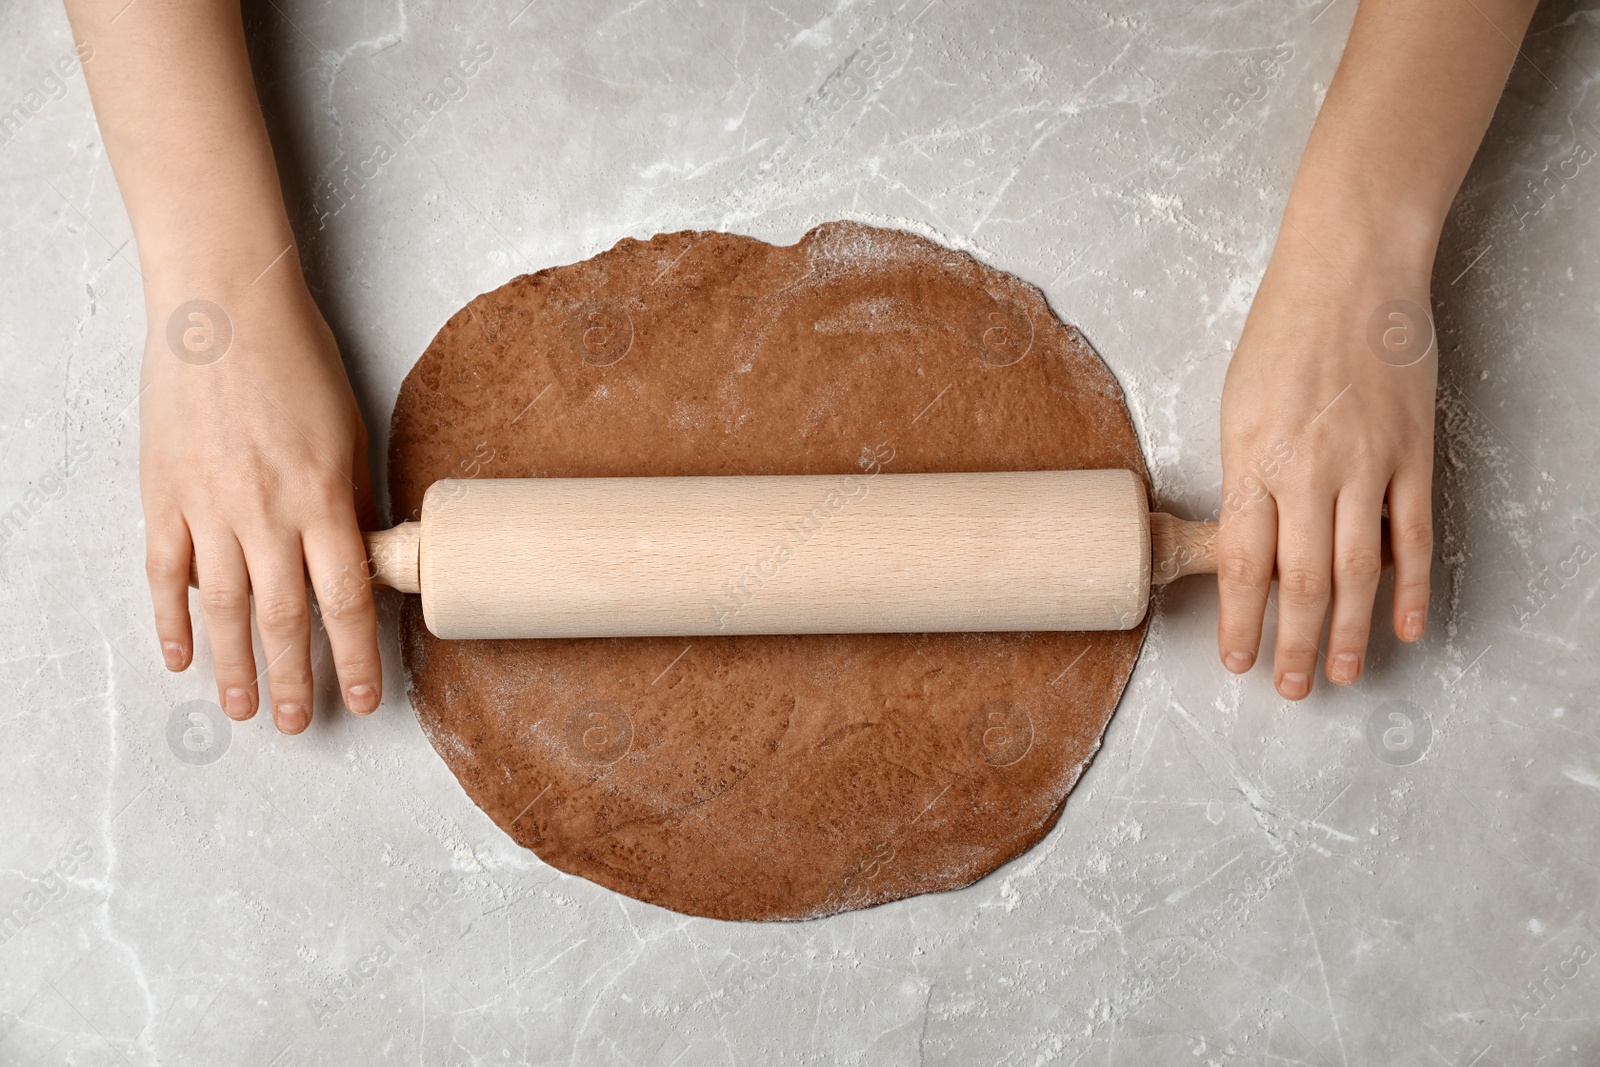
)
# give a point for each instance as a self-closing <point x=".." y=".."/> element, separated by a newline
<point x="238" y="703"/>
<point x="1295" y="685"/>
<point x="1413" y="626"/>
<point x="1345" y="667"/>
<point x="362" y="699"/>
<point x="292" y="718"/>
<point x="172" y="653"/>
<point x="1238" y="662"/>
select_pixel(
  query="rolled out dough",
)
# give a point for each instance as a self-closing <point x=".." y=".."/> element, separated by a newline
<point x="764" y="777"/>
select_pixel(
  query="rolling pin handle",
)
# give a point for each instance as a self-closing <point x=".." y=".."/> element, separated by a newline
<point x="392" y="558"/>
<point x="1179" y="547"/>
<point x="396" y="556"/>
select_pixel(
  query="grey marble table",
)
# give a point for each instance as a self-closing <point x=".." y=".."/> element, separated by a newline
<point x="1401" y="872"/>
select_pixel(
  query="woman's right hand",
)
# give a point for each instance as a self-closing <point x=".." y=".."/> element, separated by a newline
<point x="253" y="459"/>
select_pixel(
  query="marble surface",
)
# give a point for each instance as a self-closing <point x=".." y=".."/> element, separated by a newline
<point x="1235" y="881"/>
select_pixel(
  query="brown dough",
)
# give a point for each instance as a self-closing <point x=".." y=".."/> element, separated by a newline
<point x="764" y="777"/>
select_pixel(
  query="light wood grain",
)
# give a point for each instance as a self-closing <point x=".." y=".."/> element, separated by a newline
<point x="394" y="555"/>
<point x="886" y="553"/>
<point x="1179" y="547"/>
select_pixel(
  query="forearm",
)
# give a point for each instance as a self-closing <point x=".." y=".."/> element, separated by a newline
<point x="185" y="138"/>
<point x="1403" y="118"/>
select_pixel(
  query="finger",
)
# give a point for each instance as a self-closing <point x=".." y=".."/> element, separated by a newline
<point x="1246" y="543"/>
<point x="283" y="617"/>
<point x="167" y="552"/>
<point x="1357" y="562"/>
<point x="1411" y="539"/>
<point x="1305" y="558"/>
<point x="225" y="605"/>
<point x="337" y="559"/>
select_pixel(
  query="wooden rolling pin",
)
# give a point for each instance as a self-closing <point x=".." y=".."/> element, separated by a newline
<point x="861" y="553"/>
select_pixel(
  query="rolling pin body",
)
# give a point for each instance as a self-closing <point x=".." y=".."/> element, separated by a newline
<point x="886" y="553"/>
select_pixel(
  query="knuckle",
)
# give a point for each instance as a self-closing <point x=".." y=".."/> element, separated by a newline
<point x="1236" y="568"/>
<point x="166" y="569"/>
<point x="232" y="669"/>
<point x="331" y="496"/>
<point x="1415" y="587"/>
<point x="1414" y="536"/>
<point x="1237" y="637"/>
<point x="1358" y="567"/>
<point x="1348" y="636"/>
<point x="350" y="602"/>
<point x="357" y="666"/>
<point x="251" y="487"/>
<point x="289" y="681"/>
<point x="279" y="612"/>
<point x="170" y="623"/>
<point x="324" y="493"/>
<point x="1291" y="654"/>
<point x="1303" y="584"/>
<point x="225" y="603"/>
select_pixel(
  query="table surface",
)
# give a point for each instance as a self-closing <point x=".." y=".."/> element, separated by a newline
<point x="1236" y="880"/>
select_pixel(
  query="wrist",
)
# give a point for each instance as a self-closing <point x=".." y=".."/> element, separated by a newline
<point x="1364" y="221"/>
<point x="235" y="276"/>
<point x="214" y="250"/>
<point x="1355" y="236"/>
<point x="201" y="298"/>
<point x="1367" y="194"/>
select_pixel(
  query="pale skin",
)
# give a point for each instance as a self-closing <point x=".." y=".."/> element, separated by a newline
<point x="1400" y="124"/>
<point x="255" y="463"/>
